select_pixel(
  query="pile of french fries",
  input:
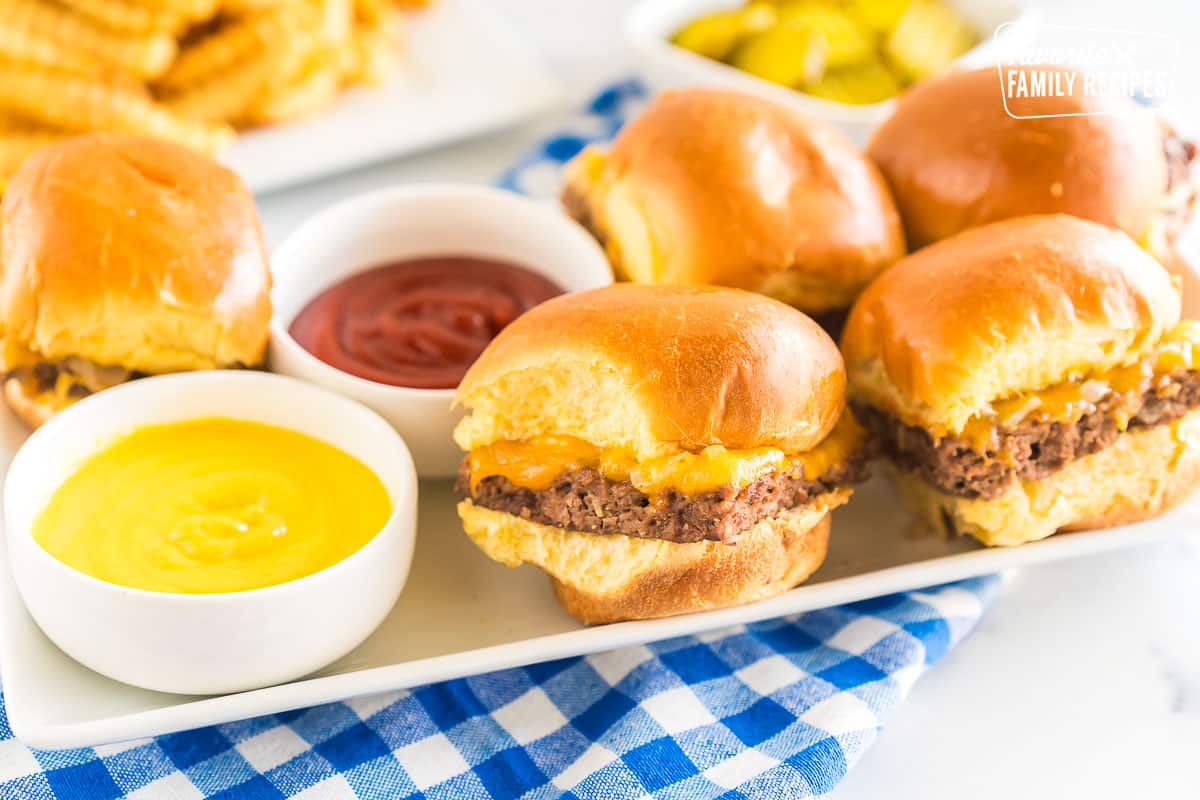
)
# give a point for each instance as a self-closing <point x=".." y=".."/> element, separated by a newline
<point x="191" y="71"/>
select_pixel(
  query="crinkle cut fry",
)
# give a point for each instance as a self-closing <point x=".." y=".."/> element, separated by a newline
<point x="307" y="90"/>
<point x="143" y="55"/>
<point x="230" y="95"/>
<point x="27" y="47"/>
<point x="130" y="16"/>
<point x="233" y="44"/>
<point x="80" y="104"/>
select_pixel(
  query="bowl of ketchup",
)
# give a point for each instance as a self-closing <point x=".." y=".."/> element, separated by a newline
<point x="389" y="297"/>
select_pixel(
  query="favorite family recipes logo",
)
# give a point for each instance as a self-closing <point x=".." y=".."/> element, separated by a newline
<point x="1103" y="64"/>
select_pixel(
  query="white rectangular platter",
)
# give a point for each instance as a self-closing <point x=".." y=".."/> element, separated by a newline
<point x="464" y="72"/>
<point x="462" y="614"/>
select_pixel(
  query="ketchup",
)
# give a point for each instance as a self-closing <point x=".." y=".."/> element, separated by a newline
<point x="418" y="323"/>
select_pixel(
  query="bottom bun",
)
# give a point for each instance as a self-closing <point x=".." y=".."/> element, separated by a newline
<point x="610" y="577"/>
<point x="1142" y="474"/>
<point x="31" y="408"/>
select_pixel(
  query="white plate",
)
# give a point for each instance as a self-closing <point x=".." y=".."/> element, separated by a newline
<point x="653" y="22"/>
<point x="465" y="72"/>
<point x="462" y="614"/>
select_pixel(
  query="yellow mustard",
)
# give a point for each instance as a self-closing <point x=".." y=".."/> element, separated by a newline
<point x="212" y="505"/>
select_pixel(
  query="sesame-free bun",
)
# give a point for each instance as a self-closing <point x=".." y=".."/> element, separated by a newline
<point x="955" y="158"/>
<point x="33" y="408"/>
<point x="1145" y="472"/>
<point x="611" y="577"/>
<point x="652" y="369"/>
<point x="133" y="252"/>
<point x="712" y="186"/>
<point x="1013" y="306"/>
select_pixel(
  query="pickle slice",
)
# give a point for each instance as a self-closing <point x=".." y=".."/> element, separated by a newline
<point x="860" y="84"/>
<point x="880" y="16"/>
<point x="715" y="35"/>
<point x="846" y="41"/>
<point x="786" y="54"/>
<point x="927" y="38"/>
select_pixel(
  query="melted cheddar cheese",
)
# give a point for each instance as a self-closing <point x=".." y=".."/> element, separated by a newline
<point x="536" y="463"/>
<point x="1179" y="350"/>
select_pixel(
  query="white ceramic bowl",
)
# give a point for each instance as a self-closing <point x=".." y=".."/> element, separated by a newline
<point x="411" y="222"/>
<point x="652" y="23"/>
<point x="210" y="643"/>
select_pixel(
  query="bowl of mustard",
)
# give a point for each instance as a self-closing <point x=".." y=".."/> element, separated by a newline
<point x="211" y="532"/>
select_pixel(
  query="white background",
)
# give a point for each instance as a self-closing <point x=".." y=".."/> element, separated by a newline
<point x="1084" y="678"/>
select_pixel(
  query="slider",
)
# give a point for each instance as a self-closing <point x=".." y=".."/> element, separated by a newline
<point x="955" y="156"/>
<point x="1027" y="377"/>
<point x="125" y="256"/>
<point x="709" y="186"/>
<point x="656" y="449"/>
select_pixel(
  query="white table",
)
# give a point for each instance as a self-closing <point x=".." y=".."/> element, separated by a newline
<point x="1084" y="679"/>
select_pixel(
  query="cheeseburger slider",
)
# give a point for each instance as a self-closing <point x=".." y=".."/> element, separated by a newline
<point x="124" y="256"/>
<point x="716" y="187"/>
<point x="657" y="449"/>
<point x="1027" y="377"/>
<point x="955" y="158"/>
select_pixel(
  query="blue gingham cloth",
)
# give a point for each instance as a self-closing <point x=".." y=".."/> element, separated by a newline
<point x="775" y="709"/>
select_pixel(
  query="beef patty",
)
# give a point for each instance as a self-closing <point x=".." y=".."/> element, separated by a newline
<point x="1033" y="448"/>
<point x="585" y="500"/>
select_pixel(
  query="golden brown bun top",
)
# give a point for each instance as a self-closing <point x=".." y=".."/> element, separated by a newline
<point x="1014" y="306"/>
<point x="954" y="158"/>
<point x="711" y="186"/>
<point x="134" y="252"/>
<point x="657" y="368"/>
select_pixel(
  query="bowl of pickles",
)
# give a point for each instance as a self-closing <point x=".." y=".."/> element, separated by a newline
<point x="844" y="60"/>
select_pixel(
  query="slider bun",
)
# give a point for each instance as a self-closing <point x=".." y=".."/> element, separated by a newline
<point x="954" y="158"/>
<point x="133" y="252"/>
<point x="1145" y="472"/>
<point x="652" y="369"/>
<point x="610" y="577"/>
<point x="717" y="187"/>
<point x="1008" y="307"/>
<point x="32" y="408"/>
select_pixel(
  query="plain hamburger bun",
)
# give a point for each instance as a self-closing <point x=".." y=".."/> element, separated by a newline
<point x="711" y="186"/>
<point x="1014" y="306"/>
<point x="656" y="369"/>
<point x="1143" y="473"/>
<point x="132" y="253"/>
<point x="955" y="158"/>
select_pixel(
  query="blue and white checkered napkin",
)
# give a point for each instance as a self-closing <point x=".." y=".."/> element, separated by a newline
<point x="771" y="710"/>
<point x="775" y="709"/>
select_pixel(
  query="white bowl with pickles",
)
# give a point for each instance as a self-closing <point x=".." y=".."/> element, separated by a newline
<point x="841" y="62"/>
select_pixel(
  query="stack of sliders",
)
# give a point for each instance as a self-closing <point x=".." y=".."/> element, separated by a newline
<point x="955" y="156"/>
<point x="125" y="256"/>
<point x="1029" y="376"/>
<point x="657" y="450"/>
<point x="718" y="187"/>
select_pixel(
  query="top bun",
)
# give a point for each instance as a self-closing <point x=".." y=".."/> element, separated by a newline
<point x="955" y="158"/>
<point x="657" y="369"/>
<point x="1004" y="308"/>
<point x="133" y="252"/>
<point x="717" y="187"/>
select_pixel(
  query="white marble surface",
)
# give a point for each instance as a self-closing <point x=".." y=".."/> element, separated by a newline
<point x="1084" y="679"/>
